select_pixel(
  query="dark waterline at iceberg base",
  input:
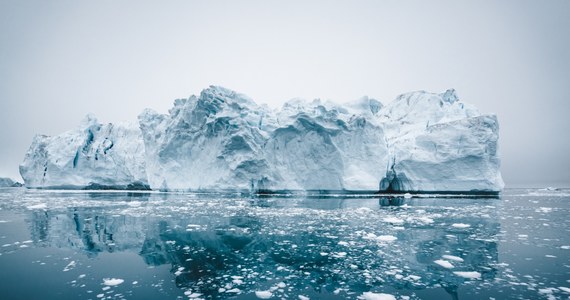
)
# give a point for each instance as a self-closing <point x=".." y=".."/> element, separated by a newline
<point x="133" y="245"/>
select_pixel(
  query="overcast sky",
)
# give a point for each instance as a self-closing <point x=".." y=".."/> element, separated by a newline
<point x="60" y="60"/>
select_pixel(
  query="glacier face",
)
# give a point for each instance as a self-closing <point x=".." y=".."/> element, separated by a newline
<point x="93" y="155"/>
<point x="437" y="143"/>
<point x="223" y="140"/>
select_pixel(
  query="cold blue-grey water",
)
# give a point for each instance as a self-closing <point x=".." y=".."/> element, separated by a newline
<point x="122" y="245"/>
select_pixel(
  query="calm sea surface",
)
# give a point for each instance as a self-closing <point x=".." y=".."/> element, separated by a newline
<point x="119" y="245"/>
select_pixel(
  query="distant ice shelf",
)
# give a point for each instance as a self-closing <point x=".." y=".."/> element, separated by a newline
<point x="223" y="140"/>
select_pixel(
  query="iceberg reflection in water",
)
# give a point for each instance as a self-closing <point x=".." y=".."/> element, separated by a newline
<point x="228" y="246"/>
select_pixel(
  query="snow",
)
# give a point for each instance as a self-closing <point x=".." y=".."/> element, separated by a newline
<point x="112" y="281"/>
<point x="376" y="296"/>
<point x="468" y="275"/>
<point x="224" y="140"/>
<point x="263" y="294"/>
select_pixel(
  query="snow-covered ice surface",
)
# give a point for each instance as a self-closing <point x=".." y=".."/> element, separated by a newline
<point x="133" y="245"/>
<point x="223" y="140"/>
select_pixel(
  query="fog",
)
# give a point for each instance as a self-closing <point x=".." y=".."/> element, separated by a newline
<point x="60" y="60"/>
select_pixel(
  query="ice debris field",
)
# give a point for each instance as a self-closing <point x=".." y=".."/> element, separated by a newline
<point x="152" y="245"/>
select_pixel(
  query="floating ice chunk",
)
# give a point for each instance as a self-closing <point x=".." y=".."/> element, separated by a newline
<point x="281" y="285"/>
<point x="38" y="206"/>
<point x="263" y="294"/>
<point x="444" y="263"/>
<point x="370" y="236"/>
<point x="376" y="296"/>
<point x="548" y="291"/>
<point x="468" y="275"/>
<point x="393" y="220"/>
<point x="234" y="290"/>
<point x="386" y="238"/>
<point x="425" y="220"/>
<point x="343" y="243"/>
<point x="194" y="295"/>
<point x="112" y="281"/>
<point x="179" y="271"/>
<point x="414" y="277"/>
<point x="461" y="225"/>
<point x="564" y="289"/>
<point x="301" y="297"/>
<point x="69" y="266"/>
<point x="544" y="209"/>
<point x="453" y="258"/>
<point x="407" y="195"/>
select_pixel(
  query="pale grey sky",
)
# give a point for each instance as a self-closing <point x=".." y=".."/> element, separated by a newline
<point x="60" y="60"/>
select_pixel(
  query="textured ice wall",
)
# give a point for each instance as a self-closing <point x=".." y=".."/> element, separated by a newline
<point x="223" y="140"/>
<point x="93" y="155"/>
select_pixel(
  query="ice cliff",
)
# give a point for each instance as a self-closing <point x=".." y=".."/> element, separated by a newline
<point x="92" y="156"/>
<point x="223" y="140"/>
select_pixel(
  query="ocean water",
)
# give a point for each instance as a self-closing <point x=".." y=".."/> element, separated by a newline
<point x="121" y="245"/>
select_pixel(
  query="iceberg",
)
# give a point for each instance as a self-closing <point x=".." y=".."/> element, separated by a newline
<point x="8" y="182"/>
<point x="223" y="140"/>
<point x="437" y="143"/>
<point x="94" y="156"/>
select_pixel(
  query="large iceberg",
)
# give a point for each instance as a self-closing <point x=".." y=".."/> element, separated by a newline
<point x="92" y="156"/>
<point x="223" y="140"/>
